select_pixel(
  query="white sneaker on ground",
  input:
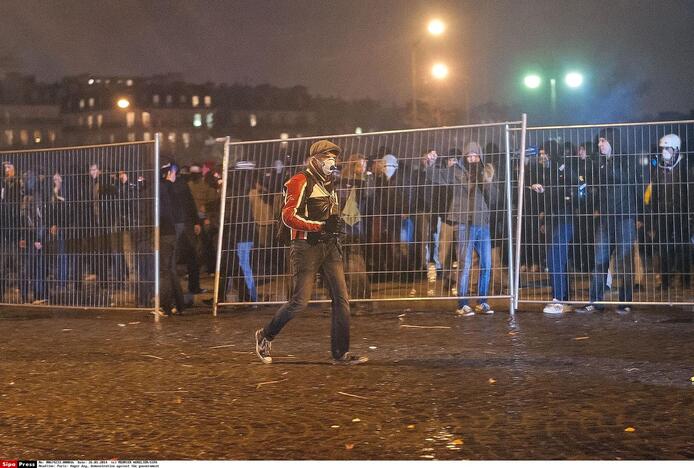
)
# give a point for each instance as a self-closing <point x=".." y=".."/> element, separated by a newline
<point x="555" y="307"/>
<point x="484" y="309"/>
<point x="465" y="311"/>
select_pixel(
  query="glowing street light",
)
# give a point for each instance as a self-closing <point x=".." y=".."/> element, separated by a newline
<point x="573" y="79"/>
<point x="123" y="103"/>
<point x="439" y="71"/>
<point x="532" y="81"/>
<point x="436" y="27"/>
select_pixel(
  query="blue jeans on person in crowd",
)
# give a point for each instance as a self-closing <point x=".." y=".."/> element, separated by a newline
<point x="243" y="250"/>
<point x="307" y="260"/>
<point x="557" y="258"/>
<point x="478" y="238"/>
<point x="614" y="233"/>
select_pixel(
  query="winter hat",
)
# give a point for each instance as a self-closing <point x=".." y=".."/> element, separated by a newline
<point x="323" y="146"/>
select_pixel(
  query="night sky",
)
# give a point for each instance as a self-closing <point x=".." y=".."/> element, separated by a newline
<point x="361" y="48"/>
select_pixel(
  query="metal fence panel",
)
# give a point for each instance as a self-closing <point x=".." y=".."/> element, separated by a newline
<point x="406" y="219"/>
<point x="77" y="226"/>
<point x="607" y="229"/>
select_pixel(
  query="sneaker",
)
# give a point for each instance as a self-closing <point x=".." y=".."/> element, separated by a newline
<point x="554" y="307"/>
<point x="623" y="309"/>
<point x="484" y="309"/>
<point x="263" y="347"/>
<point x="454" y="291"/>
<point x="40" y="301"/>
<point x="348" y="360"/>
<point x="431" y="292"/>
<point x="413" y="292"/>
<point x="589" y="309"/>
<point x="465" y="311"/>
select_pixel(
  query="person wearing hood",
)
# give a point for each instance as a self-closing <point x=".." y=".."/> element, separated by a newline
<point x="390" y="207"/>
<point x="671" y="201"/>
<point x="558" y="186"/>
<point x="311" y="211"/>
<point x="619" y="182"/>
<point x="469" y="210"/>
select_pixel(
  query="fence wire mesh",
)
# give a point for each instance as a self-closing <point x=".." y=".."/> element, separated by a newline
<point x="421" y="223"/>
<point x="77" y="227"/>
<point x="607" y="214"/>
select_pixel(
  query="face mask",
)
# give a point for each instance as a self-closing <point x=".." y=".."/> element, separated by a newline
<point x="667" y="154"/>
<point x="328" y="165"/>
<point x="605" y="148"/>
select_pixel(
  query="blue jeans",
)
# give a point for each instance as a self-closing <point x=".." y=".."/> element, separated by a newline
<point x="478" y="238"/>
<point x="243" y="250"/>
<point x="557" y="258"/>
<point x="307" y="260"/>
<point x="614" y="233"/>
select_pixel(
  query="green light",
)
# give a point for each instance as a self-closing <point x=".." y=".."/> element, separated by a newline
<point x="532" y="81"/>
<point x="573" y="79"/>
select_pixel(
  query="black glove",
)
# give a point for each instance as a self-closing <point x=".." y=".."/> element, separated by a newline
<point x="334" y="225"/>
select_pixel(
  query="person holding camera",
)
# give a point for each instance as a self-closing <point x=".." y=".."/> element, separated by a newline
<point x="311" y="211"/>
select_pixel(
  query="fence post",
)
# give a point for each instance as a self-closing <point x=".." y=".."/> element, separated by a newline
<point x="157" y="163"/>
<point x="509" y="222"/>
<point x="519" y="219"/>
<point x="220" y="234"/>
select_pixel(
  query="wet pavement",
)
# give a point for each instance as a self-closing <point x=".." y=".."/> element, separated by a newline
<point x="100" y="385"/>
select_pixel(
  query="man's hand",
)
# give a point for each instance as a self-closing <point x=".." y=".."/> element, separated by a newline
<point x="538" y="188"/>
<point x="334" y="225"/>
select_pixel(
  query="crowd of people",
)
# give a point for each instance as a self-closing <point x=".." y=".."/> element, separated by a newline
<point x="436" y="218"/>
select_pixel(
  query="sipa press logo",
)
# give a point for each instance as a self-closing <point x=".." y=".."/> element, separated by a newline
<point x="8" y="463"/>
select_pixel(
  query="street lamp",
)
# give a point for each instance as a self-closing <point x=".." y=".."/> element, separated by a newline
<point x="572" y="80"/>
<point x="123" y="103"/>
<point x="439" y="71"/>
<point x="436" y="28"/>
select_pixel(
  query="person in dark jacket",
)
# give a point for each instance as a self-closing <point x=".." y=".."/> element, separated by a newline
<point x="671" y="200"/>
<point x="188" y="228"/>
<point x="239" y="238"/>
<point x="558" y="186"/>
<point x="618" y="197"/>
<point x="583" y="167"/>
<point x="10" y="203"/>
<point x="171" y="295"/>
<point x="469" y="209"/>
<point x="32" y="234"/>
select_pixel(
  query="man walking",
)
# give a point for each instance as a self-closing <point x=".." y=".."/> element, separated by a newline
<point x="311" y="212"/>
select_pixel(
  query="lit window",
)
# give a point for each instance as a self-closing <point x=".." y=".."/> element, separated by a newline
<point x="129" y="82"/>
<point x="209" y="120"/>
<point x="107" y="81"/>
<point x="169" y="99"/>
<point x="91" y="81"/>
<point x="51" y="136"/>
<point x="172" y="138"/>
<point x="155" y="99"/>
<point x="147" y="136"/>
<point x="99" y="120"/>
<point x="197" y="120"/>
<point x="37" y="136"/>
<point x="186" y="139"/>
<point x="130" y="119"/>
<point x="195" y="100"/>
<point x="91" y="102"/>
<point x="9" y="137"/>
<point x="358" y="130"/>
<point x="146" y="119"/>
<point x="131" y="136"/>
<point x="81" y="103"/>
<point x="24" y="137"/>
<point x="208" y="101"/>
<point x="253" y="120"/>
<point x="284" y="136"/>
<point x="90" y="121"/>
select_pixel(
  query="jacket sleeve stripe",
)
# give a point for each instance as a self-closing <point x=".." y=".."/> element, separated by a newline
<point x="295" y="193"/>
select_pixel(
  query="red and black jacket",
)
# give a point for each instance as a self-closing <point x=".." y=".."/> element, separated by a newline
<point x="308" y="201"/>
